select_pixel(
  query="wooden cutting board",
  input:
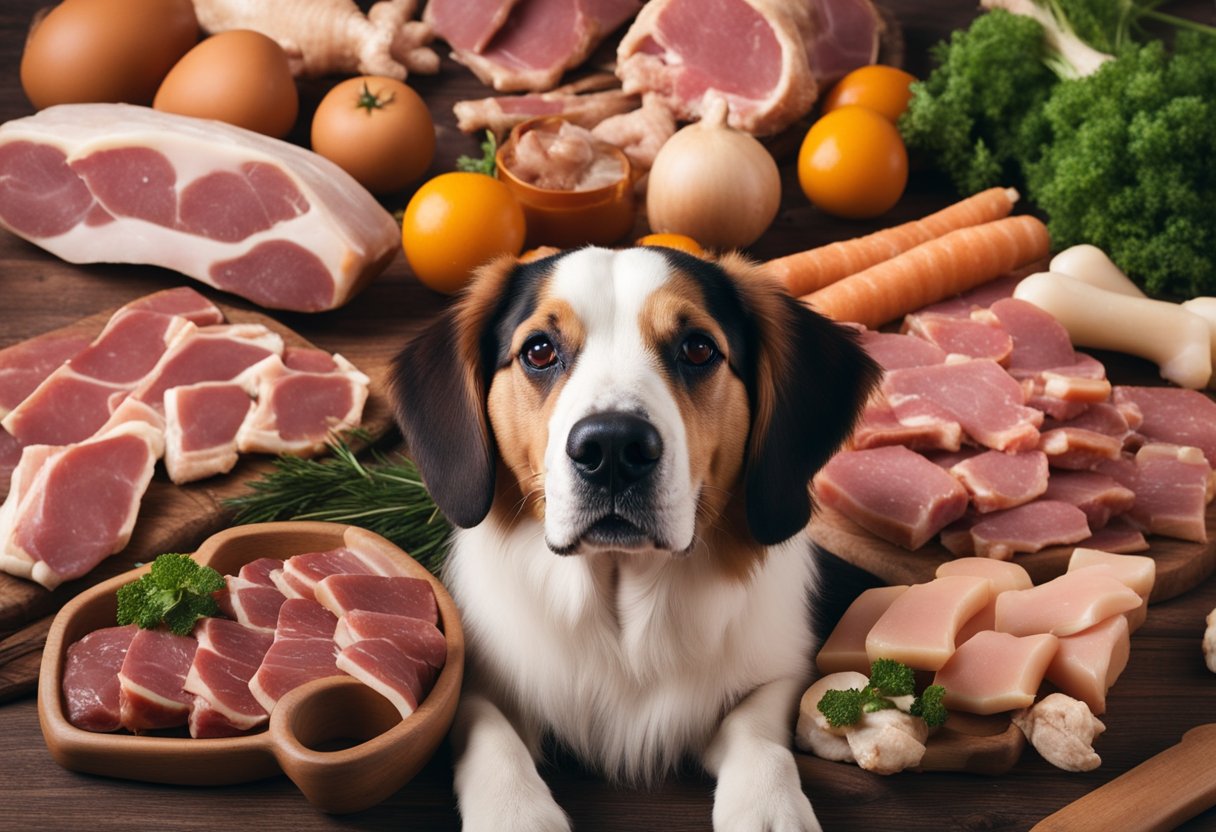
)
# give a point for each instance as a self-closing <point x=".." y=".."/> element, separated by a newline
<point x="172" y="518"/>
<point x="1180" y="564"/>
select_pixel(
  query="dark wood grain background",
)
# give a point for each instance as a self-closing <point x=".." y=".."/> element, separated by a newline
<point x="1164" y="691"/>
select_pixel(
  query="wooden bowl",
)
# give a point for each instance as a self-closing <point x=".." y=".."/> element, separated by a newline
<point x="344" y="745"/>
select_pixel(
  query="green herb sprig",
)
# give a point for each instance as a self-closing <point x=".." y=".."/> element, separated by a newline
<point x="176" y="591"/>
<point x="888" y="679"/>
<point x="486" y="163"/>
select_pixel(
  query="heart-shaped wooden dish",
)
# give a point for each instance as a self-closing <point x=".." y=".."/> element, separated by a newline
<point x="339" y="741"/>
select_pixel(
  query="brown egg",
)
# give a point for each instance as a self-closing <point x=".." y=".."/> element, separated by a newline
<point x="240" y="77"/>
<point x="105" y="50"/>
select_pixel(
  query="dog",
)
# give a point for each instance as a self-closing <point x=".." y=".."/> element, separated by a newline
<point x="625" y="440"/>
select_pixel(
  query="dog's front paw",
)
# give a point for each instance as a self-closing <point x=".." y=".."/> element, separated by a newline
<point x="527" y="807"/>
<point x="762" y="793"/>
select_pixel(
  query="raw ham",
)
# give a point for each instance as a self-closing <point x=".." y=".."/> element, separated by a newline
<point x="383" y="667"/>
<point x="259" y="571"/>
<point x="412" y="597"/>
<point x="255" y="605"/>
<point x="1028" y="528"/>
<point x="255" y="216"/>
<point x="894" y="352"/>
<point x="1078" y="449"/>
<point x="997" y="480"/>
<point x="1173" y="415"/>
<point x="238" y="353"/>
<point x="202" y="421"/>
<point x="303" y="650"/>
<point x="90" y="678"/>
<point x="70" y="507"/>
<point x="1040" y="342"/>
<point x="768" y="58"/>
<point x="300" y="574"/>
<point x="299" y="412"/>
<point x="525" y="44"/>
<point x="930" y="430"/>
<point x="420" y="639"/>
<point x="1100" y="497"/>
<point x="227" y="657"/>
<point x="25" y="365"/>
<point x="150" y="682"/>
<point x="961" y="336"/>
<point x="1172" y="484"/>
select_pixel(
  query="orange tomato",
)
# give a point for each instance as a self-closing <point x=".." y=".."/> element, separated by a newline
<point x="454" y="223"/>
<point x="853" y="163"/>
<point x="671" y="240"/>
<point x="376" y="129"/>
<point x="883" y="89"/>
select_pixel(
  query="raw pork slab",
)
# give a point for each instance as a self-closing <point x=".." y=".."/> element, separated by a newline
<point x="303" y="650"/>
<point x="255" y="216"/>
<point x="417" y="638"/>
<point x="202" y="422"/>
<point x="411" y="597"/>
<point x="90" y="678"/>
<point x="23" y="366"/>
<point x="298" y="411"/>
<point x="1028" y="528"/>
<point x="997" y="480"/>
<point x="300" y="574"/>
<point x="1173" y="415"/>
<point x="227" y="657"/>
<point x="961" y="336"/>
<point x="151" y="695"/>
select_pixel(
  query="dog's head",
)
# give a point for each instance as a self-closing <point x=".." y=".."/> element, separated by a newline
<point x="631" y="400"/>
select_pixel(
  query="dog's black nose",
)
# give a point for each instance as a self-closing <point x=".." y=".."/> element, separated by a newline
<point x="614" y="449"/>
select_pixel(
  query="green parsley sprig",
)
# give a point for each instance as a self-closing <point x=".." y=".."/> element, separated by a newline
<point x="889" y="680"/>
<point x="176" y="592"/>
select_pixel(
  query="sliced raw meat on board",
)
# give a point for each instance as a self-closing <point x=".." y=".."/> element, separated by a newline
<point x="299" y="412"/>
<point x="227" y="657"/>
<point x="25" y="365"/>
<point x="258" y="571"/>
<point x="892" y="492"/>
<point x="1099" y="496"/>
<point x="761" y="55"/>
<point x="303" y="650"/>
<point x="586" y="108"/>
<point x="383" y="667"/>
<point x="150" y="682"/>
<point x="182" y="302"/>
<point x="1088" y="663"/>
<point x="920" y="626"/>
<point x="995" y="672"/>
<point x="300" y="574"/>
<point x="1078" y="449"/>
<point x="978" y="394"/>
<point x="1119" y="536"/>
<point x="419" y="639"/>
<point x="961" y="336"/>
<point x="981" y="297"/>
<point x="893" y="351"/>
<point x="255" y="605"/>
<point x="845" y="647"/>
<point x="72" y="506"/>
<point x="1071" y="603"/>
<point x="1173" y="415"/>
<point x="255" y="216"/>
<point x="1001" y="575"/>
<point x="1173" y="486"/>
<point x="1040" y="342"/>
<point x="90" y="678"/>
<point x="202" y="421"/>
<point x="997" y="480"/>
<point x="413" y="597"/>
<point x="534" y="44"/>
<point x="238" y="353"/>
<point x="923" y="427"/>
<point x="1028" y="528"/>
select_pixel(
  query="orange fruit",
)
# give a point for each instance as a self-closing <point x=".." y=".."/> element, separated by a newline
<point x="457" y="221"/>
<point x="883" y="89"/>
<point x="672" y="240"/>
<point x="853" y="163"/>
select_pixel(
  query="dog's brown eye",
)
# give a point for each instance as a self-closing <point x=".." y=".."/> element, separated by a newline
<point x="698" y="350"/>
<point x="539" y="352"/>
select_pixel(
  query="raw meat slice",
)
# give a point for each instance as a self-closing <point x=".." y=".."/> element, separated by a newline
<point x="72" y="506"/>
<point x="238" y="353"/>
<point x="845" y="648"/>
<point x="1088" y="663"/>
<point x="299" y="412"/>
<point x="893" y="351"/>
<point x="956" y="537"/>
<point x="227" y="657"/>
<point x="1078" y="449"/>
<point x="978" y="394"/>
<point x="258" y="571"/>
<point x="150" y="681"/>
<point x="383" y="667"/>
<point x="1119" y="536"/>
<point x="1040" y="342"/>
<point x="995" y="672"/>
<point x="1173" y="415"/>
<point x="1001" y="575"/>
<point x="1172" y="484"/>
<point x="413" y="636"/>
<point x="25" y="365"/>
<point x="303" y="650"/>
<point x="998" y="480"/>
<point x="90" y="678"/>
<point x="930" y="430"/>
<point x="468" y="25"/>
<point x="254" y="605"/>
<point x="537" y="42"/>
<point x="573" y="102"/>
<point x="1028" y="528"/>
<point x="413" y="597"/>
<point x="182" y="302"/>
<point x="1136" y="572"/>
<point x="893" y="492"/>
<point x="300" y="574"/>
<point x="202" y="421"/>
<point x="252" y="215"/>
<point x="920" y="626"/>
<point x="961" y="336"/>
<point x="1073" y="602"/>
<point x="981" y="297"/>
<point x="761" y="55"/>
<point x="1098" y="495"/>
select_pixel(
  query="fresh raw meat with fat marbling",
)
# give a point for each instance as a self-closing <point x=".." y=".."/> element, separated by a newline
<point x="1173" y="415"/>
<point x="300" y="574"/>
<point x="397" y="655"/>
<point x="303" y="650"/>
<point x="420" y="639"/>
<point x="298" y="412"/>
<point x="202" y="421"/>
<point x="245" y="213"/>
<point x="25" y="365"/>
<point x="1028" y="528"/>
<point x="893" y="351"/>
<point x="1173" y="486"/>
<point x="238" y="353"/>
<point x="253" y="604"/>
<point x="227" y="657"/>
<point x="961" y="336"/>
<point x="153" y="672"/>
<point x="90" y="678"/>
<point x="412" y="597"/>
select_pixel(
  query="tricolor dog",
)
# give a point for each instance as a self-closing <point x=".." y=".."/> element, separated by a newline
<point x="626" y="439"/>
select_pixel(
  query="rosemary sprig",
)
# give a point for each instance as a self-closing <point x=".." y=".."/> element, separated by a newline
<point x="384" y="495"/>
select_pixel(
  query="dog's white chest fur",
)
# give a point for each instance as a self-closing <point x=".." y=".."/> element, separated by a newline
<point x="630" y="661"/>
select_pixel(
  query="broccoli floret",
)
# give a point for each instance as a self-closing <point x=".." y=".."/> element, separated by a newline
<point x="176" y="591"/>
<point x="969" y="116"/>
<point x="891" y="678"/>
<point x="841" y="707"/>
<point x="930" y="706"/>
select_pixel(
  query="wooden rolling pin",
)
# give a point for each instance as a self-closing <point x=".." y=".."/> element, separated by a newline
<point x="1155" y="796"/>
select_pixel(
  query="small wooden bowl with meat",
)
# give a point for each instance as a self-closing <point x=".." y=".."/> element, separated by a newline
<point x="341" y="742"/>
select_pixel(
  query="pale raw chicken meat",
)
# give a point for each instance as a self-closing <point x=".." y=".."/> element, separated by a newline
<point x="639" y="133"/>
<point x="72" y="506"/>
<point x="845" y="647"/>
<point x="299" y="412"/>
<point x="1073" y="602"/>
<point x="227" y="657"/>
<point x="245" y="213"/>
<point x="813" y="733"/>
<point x="202" y="421"/>
<point x="585" y="102"/>
<point x="1087" y="663"/>
<point x="888" y="741"/>
<point x="1062" y="730"/>
<point x="994" y="672"/>
<point x="767" y="58"/>
<point x="921" y="625"/>
<point x="90" y="678"/>
<point x="1001" y="575"/>
<point x="567" y="158"/>
<point x="303" y="650"/>
<point x="997" y="480"/>
<point x="151" y="695"/>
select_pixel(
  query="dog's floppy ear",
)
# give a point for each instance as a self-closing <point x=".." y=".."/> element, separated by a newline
<point x="810" y="380"/>
<point x="439" y="385"/>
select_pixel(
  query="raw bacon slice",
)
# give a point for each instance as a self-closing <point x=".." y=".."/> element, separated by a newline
<point x="303" y="650"/>
<point x="255" y="216"/>
<point x="255" y="605"/>
<point x="1173" y="415"/>
<point x="237" y="353"/>
<point x="299" y="412"/>
<point x="1078" y="449"/>
<point x="997" y="480"/>
<point x="90" y="678"/>
<point x="202" y="421"/>
<point x="150" y="681"/>
<point x="227" y="657"/>
<point x="413" y="597"/>
<point x="413" y="636"/>
<point x="70" y="507"/>
<point x="1028" y="528"/>
<point x="300" y="574"/>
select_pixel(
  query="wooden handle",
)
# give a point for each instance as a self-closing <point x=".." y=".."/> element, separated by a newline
<point x="1155" y="796"/>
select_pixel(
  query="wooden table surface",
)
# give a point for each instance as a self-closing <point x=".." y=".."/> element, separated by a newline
<point x="1164" y="691"/>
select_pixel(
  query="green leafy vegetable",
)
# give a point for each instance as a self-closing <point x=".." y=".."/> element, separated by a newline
<point x="889" y="679"/>
<point x="386" y="495"/>
<point x="176" y="591"/>
<point x="930" y="706"/>
<point x="486" y="164"/>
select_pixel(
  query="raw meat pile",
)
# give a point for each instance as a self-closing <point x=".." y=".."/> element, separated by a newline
<point x="242" y="212"/>
<point x="289" y="622"/>
<point x="992" y="434"/>
<point x="167" y="378"/>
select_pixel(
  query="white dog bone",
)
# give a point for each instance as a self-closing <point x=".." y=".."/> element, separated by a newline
<point x="1176" y="340"/>
<point x="1089" y="264"/>
<point x="1206" y="309"/>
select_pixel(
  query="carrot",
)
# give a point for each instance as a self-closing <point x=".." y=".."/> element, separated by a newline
<point x="932" y="271"/>
<point x="807" y="271"/>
